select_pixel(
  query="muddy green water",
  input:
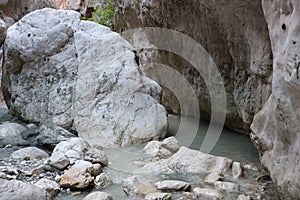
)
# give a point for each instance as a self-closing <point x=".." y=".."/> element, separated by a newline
<point x="121" y="161"/>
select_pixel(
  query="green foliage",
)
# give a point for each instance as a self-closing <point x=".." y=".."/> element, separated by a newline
<point x="104" y="14"/>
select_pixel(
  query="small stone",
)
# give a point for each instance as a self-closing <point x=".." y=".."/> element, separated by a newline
<point x="237" y="170"/>
<point x="207" y="192"/>
<point x="103" y="180"/>
<point x="213" y="177"/>
<point x="29" y="153"/>
<point x="158" y="196"/>
<point x="226" y="186"/>
<point x="98" y="196"/>
<point x="50" y="186"/>
<point x="152" y="147"/>
<point x="59" y="161"/>
<point x="76" y="178"/>
<point x="173" y="185"/>
<point x="243" y="197"/>
<point x="171" y="144"/>
<point x="38" y="170"/>
<point x="138" y="186"/>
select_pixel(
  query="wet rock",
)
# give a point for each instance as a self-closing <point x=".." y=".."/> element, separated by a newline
<point x="207" y="192"/>
<point x="18" y="190"/>
<point x="226" y="186"/>
<point x="103" y="181"/>
<point x="50" y="135"/>
<point x="50" y="186"/>
<point x="29" y="153"/>
<point x="76" y="178"/>
<point x="163" y="149"/>
<point x="213" y="177"/>
<point x="54" y="76"/>
<point x="98" y="196"/>
<point x="67" y="152"/>
<point x="237" y="170"/>
<point x="138" y="186"/>
<point x="172" y="185"/>
<point x="10" y="134"/>
<point x="190" y="161"/>
<point x="158" y="196"/>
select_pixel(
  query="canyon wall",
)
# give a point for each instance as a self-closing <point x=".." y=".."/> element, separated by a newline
<point x="276" y="127"/>
<point x="235" y="35"/>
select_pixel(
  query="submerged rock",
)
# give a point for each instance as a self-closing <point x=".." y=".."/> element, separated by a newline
<point x="98" y="196"/>
<point x="78" y="74"/>
<point x="138" y="186"/>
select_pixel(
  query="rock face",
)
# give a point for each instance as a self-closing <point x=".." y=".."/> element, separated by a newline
<point x="78" y="74"/>
<point x="234" y="33"/>
<point x="276" y="127"/>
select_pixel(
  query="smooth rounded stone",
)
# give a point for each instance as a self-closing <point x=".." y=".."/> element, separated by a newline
<point x="50" y="186"/>
<point x="67" y="152"/>
<point x="103" y="181"/>
<point x="138" y="186"/>
<point x="76" y="178"/>
<point x="38" y="170"/>
<point x="237" y="170"/>
<point x="190" y="161"/>
<point x="243" y="197"/>
<point x="213" y="177"/>
<point x="158" y="196"/>
<point x="173" y="185"/>
<point x="98" y="196"/>
<point x="226" y="186"/>
<point x="207" y="192"/>
<point x="53" y="75"/>
<point x="171" y="144"/>
<point x="50" y="135"/>
<point x="10" y="134"/>
<point x="29" y="153"/>
<point x="18" y="190"/>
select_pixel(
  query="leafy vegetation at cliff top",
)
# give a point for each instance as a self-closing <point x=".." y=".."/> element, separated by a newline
<point x="104" y="14"/>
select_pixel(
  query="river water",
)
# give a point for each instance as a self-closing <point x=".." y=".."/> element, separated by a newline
<point x="125" y="162"/>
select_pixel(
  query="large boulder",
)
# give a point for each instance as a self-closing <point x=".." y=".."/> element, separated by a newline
<point x="276" y="130"/>
<point x="78" y="74"/>
<point x="235" y="35"/>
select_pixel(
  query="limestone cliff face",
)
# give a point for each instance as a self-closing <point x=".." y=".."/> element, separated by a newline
<point x="276" y="127"/>
<point x="234" y="33"/>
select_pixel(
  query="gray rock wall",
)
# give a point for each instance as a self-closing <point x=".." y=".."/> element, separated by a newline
<point x="234" y="33"/>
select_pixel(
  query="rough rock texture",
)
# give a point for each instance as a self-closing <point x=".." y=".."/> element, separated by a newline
<point x="138" y="186"/>
<point x="15" y="190"/>
<point x="276" y="127"/>
<point x="77" y="177"/>
<point x="190" y="161"/>
<point x="10" y="133"/>
<point x="173" y="185"/>
<point x="50" y="186"/>
<point x="98" y="196"/>
<point x="79" y="74"/>
<point x="29" y="153"/>
<point x="234" y="33"/>
<point x="68" y="152"/>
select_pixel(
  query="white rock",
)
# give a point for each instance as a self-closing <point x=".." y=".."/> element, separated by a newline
<point x="31" y="153"/>
<point x="50" y="186"/>
<point x="158" y="196"/>
<point x="10" y="134"/>
<point x="78" y="74"/>
<point x="18" y="190"/>
<point x="103" y="180"/>
<point x="243" y="197"/>
<point x="237" y="170"/>
<point x="138" y="186"/>
<point x="213" y="177"/>
<point x="172" y="185"/>
<point x="98" y="196"/>
<point x="68" y="152"/>
<point x="190" y="161"/>
<point x="171" y="144"/>
<point x="207" y="192"/>
<point x="226" y="186"/>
